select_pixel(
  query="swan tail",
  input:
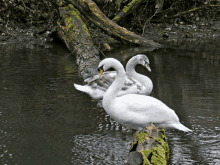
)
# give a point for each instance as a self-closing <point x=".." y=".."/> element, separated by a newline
<point x="181" y="127"/>
<point x="82" y="88"/>
<point x="90" y="91"/>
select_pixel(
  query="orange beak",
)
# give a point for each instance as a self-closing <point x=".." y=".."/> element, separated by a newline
<point x="100" y="72"/>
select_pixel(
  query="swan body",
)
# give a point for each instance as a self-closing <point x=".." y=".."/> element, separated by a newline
<point x="133" y="110"/>
<point x="135" y="83"/>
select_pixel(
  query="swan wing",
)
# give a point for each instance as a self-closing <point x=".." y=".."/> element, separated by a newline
<point x="147" y="107"/>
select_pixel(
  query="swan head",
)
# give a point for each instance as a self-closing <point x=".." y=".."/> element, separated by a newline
<point x="109" y="63"/>
<point x="143" y="60"/>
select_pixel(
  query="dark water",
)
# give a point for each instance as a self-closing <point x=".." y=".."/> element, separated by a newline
<point x="44" y="120"/>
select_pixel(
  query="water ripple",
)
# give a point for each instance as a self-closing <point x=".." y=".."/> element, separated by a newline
<point x="98" y="149"/>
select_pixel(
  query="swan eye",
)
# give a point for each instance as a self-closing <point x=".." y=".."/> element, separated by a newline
<point x="100" y="68"/>
<point x="147" y="63"/>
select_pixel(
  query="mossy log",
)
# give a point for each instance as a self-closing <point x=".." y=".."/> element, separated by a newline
<point x="74" y="33"/>
<point x="91" y="11"/>
<point x="127" y="10"/>
<point x="149" y="146"/>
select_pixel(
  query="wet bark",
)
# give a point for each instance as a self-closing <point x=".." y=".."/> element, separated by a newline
<point x="74" y="33"/>
<point x="149" y="146"/>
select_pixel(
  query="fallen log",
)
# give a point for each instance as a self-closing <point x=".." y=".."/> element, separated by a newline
<point x="149" y="146"/>
<point x="74" y="33"/>
<point x="91" y="11"/>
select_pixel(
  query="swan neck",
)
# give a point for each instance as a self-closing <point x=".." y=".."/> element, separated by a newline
<point x="144" y="80"/>
<point x="130" y="68"/>
<point x="116" y="86"/>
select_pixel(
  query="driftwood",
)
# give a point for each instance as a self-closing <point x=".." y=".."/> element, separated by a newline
<point x="149" y="146"/>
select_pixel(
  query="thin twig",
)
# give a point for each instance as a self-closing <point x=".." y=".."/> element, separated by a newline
<point x="148" y="21"/>
<point x="26" y="6"/>
<point x="192" y="10"/>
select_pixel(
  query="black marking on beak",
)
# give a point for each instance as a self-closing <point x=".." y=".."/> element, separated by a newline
<point x="100" y="68"/>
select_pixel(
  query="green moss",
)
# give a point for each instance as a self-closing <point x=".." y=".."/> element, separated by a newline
<point x="141" y="137"/>
<point x="193" y="9"/>
<point x="164" y="145"/>
<point x="87" y="30"/>
<point x="70" y="24"/>
<point x="116" y="18"/>
<point x="158" y="153"/>
<point x="158" y="156"/>
<point x="125" y="10"/>
<point x="74" y="12"/>
<point x="163" y="133"/>
<point x="138" y="138"/>
<point x="145" y="154"/>
<point x="61" y="2"/>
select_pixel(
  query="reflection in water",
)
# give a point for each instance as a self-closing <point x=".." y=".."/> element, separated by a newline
<point x="44" y="120"/>
<point x="191" y="87"/>
<point x="98" y="149"/>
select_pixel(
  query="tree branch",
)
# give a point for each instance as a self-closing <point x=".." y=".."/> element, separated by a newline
<point x="90" y="10"/>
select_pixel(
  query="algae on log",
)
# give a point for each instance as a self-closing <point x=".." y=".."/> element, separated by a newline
<point x="127" y="10"/>
<point x="151" y="144"/>
<point x="91" y="11"/>
<point x="74" y="33"/>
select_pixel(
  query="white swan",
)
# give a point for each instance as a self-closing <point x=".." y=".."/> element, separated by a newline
<point x="133" y="110"/>
<point x="134" y="82"/>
